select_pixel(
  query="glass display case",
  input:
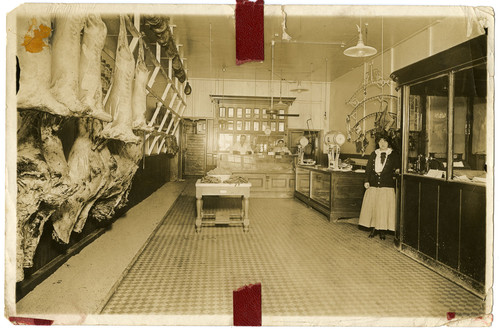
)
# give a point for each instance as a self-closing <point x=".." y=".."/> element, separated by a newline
<point x="320" y="187"/>
<point x="447" y="126"/>
<point x="302" y="181"/>
<point x="428" y="122"/>
<point x="442" y="200"/>
<point x="335" y="194"/>
<point x="469" y="125"/>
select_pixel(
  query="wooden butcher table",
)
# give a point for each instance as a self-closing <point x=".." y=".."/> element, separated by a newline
<point x="222" y="189"/>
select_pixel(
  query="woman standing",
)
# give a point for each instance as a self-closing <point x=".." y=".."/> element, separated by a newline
<point x="378" y="211"/>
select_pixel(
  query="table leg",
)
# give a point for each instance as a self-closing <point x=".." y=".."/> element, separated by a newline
<point x="246" y="221"/>
<point x="199" y="207"/>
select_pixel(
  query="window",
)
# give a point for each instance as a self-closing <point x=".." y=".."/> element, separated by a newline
<point x="251" y="119"/>
<point x="256" y="126"/>
<point x="256" y="113"/>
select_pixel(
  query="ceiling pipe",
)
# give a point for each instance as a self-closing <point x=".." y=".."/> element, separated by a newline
<point x="272" y="73"/>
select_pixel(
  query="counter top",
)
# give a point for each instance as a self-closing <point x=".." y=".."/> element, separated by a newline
<point x="199" y="183"/>
<point x="326" y="170"/>
<point x="258" y="163"/>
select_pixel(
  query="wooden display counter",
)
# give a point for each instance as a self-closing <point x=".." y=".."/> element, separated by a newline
<point x="271" y="176"/>
<point x="336" y="194"/>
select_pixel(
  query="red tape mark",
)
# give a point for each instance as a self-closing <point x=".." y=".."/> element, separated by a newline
<point x="249" y="18"/>
<point x="450" y="315"/>
<point x="247" y="306"/>
<point x="30" y="321"/>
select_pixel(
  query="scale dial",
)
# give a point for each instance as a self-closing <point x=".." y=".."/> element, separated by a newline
<point x="335" y="138"/>
<point x="303" y="141"/>
<point x="340" y="139"/>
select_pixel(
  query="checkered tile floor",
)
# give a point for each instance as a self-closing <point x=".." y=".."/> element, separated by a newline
<point x="307" y="267"/>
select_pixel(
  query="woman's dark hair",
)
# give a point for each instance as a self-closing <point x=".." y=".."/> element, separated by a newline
<point x="382" y="135"/>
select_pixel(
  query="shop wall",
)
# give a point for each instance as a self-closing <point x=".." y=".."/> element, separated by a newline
<point x="432" y="40"/>
<point x="312" y="105"/>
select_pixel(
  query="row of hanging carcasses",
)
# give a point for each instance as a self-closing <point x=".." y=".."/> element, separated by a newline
<point x="60" y="79"/>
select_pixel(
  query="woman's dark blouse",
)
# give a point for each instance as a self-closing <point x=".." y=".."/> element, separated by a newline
<point x="385" y="179"/>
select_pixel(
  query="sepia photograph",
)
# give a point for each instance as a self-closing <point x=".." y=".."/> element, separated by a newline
<point x="249" y="163"/>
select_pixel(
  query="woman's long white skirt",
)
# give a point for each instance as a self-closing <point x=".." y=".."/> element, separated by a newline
<point x="379" y="208"/>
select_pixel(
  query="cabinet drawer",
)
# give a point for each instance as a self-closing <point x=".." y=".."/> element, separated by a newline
<point x="351" y="181"/>
<point x="348" y="203"/>
<point x="348" y="191"/>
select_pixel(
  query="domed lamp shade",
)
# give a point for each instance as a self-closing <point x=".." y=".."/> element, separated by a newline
<point x="360" y="50"/>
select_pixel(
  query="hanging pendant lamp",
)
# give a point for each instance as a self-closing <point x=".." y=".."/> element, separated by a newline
<point x="280" y="105"/>
<point x="360" y="50"/>
<point x="299" y="88"/>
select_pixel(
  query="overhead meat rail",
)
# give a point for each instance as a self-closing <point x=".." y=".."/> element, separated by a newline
<point x="174" y="107"/>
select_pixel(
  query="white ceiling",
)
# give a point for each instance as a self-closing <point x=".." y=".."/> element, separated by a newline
<point x="207" y="35"/>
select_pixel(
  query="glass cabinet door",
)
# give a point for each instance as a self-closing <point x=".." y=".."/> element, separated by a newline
<point x="427" y="117"/>
<point x="469" y="125"/>
<point x="302" y="181"/>
<point x="320" y="187"/>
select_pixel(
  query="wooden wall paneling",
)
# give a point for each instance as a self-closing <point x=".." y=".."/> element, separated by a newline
<point x="448" y="226"/>
<point x="258" y="182"/>
<point x="473" y="232"/>
<point x="428" y="216"/>
<point x="411" y="212"/>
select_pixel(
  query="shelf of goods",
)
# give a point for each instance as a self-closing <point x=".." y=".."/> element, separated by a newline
<point x="90" y="109"/>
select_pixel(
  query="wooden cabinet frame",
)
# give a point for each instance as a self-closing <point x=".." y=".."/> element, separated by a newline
<point x="443" y="222"/>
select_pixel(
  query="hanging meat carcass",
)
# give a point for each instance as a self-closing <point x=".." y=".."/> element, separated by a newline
<point x="108" y="165"/>
<point x="161" y="29"/>
<point x="140" y="93"/>
<point x="171" y="144"/>
<point x="171" y="48"/>
<point x="52" y="148"/>
<point x="127" y="157"/>
<point x="40" y="189"/>
<point x="102" y="166"/>
<point x="66" y="62"/>
<point x="178" y="69"/>
<point x="119" y="103"/>
<point x="90" y="92"/>
<point x="85" y="170"/>
<point x="32" y="179"/>
<point x="35" y="63"/>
